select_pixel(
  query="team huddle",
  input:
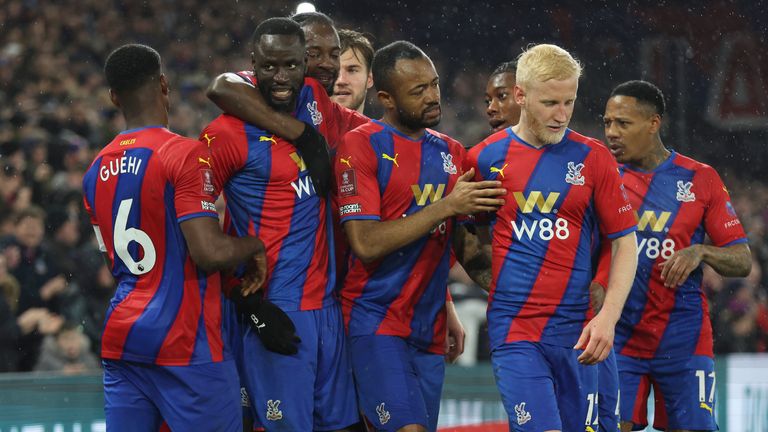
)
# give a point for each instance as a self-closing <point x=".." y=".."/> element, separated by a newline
<point x="320" y="301"/>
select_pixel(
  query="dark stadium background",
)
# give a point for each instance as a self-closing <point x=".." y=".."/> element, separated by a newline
<point x="708" y="57"/>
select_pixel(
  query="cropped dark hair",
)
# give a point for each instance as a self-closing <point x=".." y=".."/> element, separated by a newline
<point x="357" y="41"/>
<point x="131" y="66"/>
<point x="645" y="93"/>
<point x="385" y="59"/>
<point x="506" y="67"/>
<point x="278" y="26"/>
<point x="306" y="18"/>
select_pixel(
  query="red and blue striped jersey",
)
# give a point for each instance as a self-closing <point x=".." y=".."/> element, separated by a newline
<point x="140" y="187"/>
<point x="269" y="194"/>
<point x="382" y="174"/>
<point x="542" y="237"/>
<point x="677" y="204"/>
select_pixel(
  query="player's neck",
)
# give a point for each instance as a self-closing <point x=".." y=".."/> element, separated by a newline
<point x="653" y="158"/>
<point x="391" y="119"/>
<point x="141" y="112"/>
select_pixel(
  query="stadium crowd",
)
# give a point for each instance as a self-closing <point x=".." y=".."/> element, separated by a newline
<point x="55" y="115"/>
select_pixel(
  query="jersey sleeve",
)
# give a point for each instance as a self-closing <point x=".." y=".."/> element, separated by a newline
<point x="336" y="119"/>
<point x="356" y="168"/>
<point x="228" y="148"/>
<point x="720" y="219"/>
<point x="190" y="172"/>
<point x="610" y="198"/>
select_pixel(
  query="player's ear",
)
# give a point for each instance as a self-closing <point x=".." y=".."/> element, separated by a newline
<point x="655" y="124"/>
<point x="113" y="98"/>
<point x="519" y="94"/>
<point x="369" y="81"/>
<point x="386" y="99"/>
<point x="164" y="84"/>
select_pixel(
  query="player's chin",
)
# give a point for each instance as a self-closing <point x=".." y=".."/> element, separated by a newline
<point x="430" y="119"/>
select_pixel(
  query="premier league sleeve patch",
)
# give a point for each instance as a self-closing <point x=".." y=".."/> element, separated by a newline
<point x="348" y="184"/>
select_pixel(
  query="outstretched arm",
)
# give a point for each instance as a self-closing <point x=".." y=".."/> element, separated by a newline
<point x="372" y="239"/>
<point x="731" y="261"/>
<point x="213" y="250"/>
<point x="241" y="99"/>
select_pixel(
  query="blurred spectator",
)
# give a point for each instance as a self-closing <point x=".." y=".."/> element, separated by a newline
<point x="68" y="351"/>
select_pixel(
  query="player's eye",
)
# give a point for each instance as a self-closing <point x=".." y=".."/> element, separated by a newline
<point x="313" y="54"/>
<point x="487" y="101"/>
<point x="503" y="95"/>
<point x="267" y="67"/>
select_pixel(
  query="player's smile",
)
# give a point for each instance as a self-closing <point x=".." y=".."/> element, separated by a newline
<point x="281" y="93"/>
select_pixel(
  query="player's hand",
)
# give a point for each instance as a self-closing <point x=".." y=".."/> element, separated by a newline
<point x="596" y="340"/>
<point x="455" y="340"/>
<point x="314" y="151"/>
<point x="255" y="272"/>
<point x="272" y="325"/>
<point x="679" y="266"/>
<point x="596" y="296"/>
<point x="469" y="197"/>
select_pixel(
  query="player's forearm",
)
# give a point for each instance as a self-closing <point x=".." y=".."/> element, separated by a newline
<point x="622" y="274"/>
<point x="730" y="261"/>
<point x="475" y="258"/>
<point x="373" y="240"/>
<point x="245" y="102"/>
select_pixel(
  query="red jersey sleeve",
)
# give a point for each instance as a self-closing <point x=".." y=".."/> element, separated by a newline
<point x="227" y="143"/>
<point x="337" y="120"/>
<point x="355" y="169"/>
<point x="611" y="200"/>
<point x="188" y="163"/>
<point x="469" y="161"/>
<point x="720" y="219"/>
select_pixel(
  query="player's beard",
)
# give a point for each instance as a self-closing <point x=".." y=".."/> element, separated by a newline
<point x="286" y="106"/>
<point x="413" y="122"/>
<point x="540" y="131"/>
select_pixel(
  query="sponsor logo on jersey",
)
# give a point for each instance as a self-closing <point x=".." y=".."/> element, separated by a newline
<point x="208" y="139"/>
<point x="208" y="181"/>
<point x="649" y="218"/>
<point x="208" y="206"/>
<point x="574" y="176"/>
<point x="317" y="116"/>
<point x="390" y="158"/>
<point x="448" y="165"/>
<point x="430" y="193"/>
<point x="523" y="416"/>
<point x="383" y="414"/>
<point x="499" y="171"/>
<point x="684" y="193"/>
<point x="536" y="199"/>
<point x="206" y="161"/>
<point x="273" y="410"/>
<point x="703" y="405"/>
<point x="299" y="161"/>
<point x="270" y="138"/>
<point x="347" y="161"/>
<point x="350" y="208"/>
<point x="348" y="185"/>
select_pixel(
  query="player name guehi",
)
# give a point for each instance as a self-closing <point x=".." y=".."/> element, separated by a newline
<point x="122" y="165"/>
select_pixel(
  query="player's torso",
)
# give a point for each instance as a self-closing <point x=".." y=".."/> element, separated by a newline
<point x="670" y="204"/>
<point x="272" y="196"/>
<point x="404" y="294"/>
<point x="155" y="314"/>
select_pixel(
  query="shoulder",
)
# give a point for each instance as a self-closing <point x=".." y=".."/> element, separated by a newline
<point x="692" y="164"/>
<point x="501" y="138"/>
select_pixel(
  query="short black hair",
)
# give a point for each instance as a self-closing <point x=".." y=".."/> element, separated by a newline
<point x="131" y="66"/>
<point x="385" y="59"/>
<point x="646" y="93"/>
<point x="506" y="67"/>
<point x="350" y="39"/>
<point x="277" y="26"/>
<point x="307" y="18"/>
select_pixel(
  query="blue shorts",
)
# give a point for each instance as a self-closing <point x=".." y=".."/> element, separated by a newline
<point x="139" y="396"/>
<point x="544" y="387"/>
<point x="398" y="384"/>
<point x="683" y="389"/>
<point x="312" y="390"/>
<point x="608" y="394"/>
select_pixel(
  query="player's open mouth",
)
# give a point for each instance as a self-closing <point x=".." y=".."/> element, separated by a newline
<point x="282" y="94"/>
<point x="341" y="92"/>
<point x="497" y="124"/>
<point x="615" y="149"/>
<point x="325" y="78"/>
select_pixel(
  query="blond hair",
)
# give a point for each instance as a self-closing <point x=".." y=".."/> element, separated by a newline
<point x="540" y="63"/>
